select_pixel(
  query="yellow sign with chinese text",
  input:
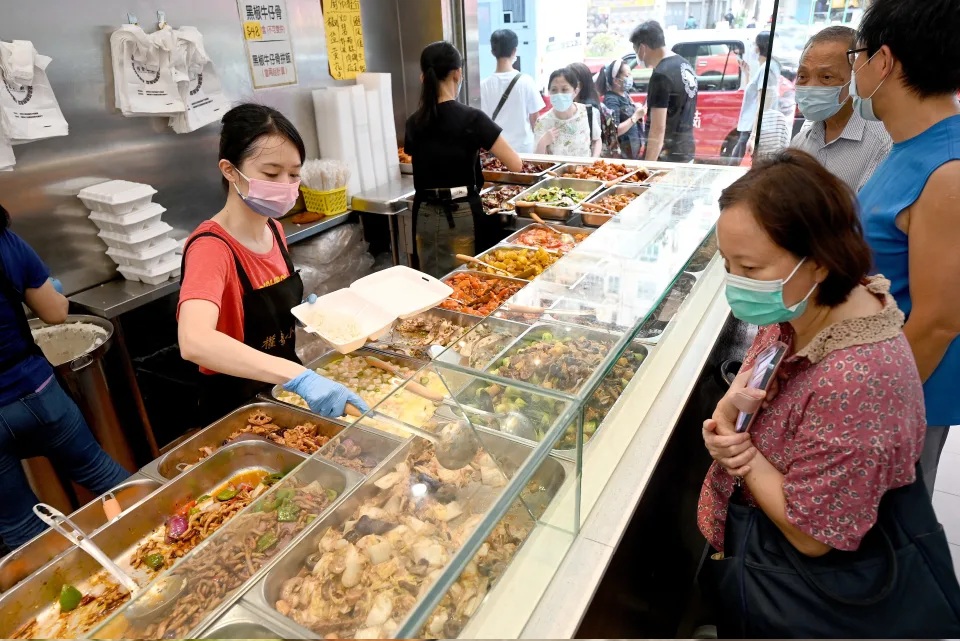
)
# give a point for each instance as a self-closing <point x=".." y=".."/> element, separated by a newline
<point x="344" y="32"/>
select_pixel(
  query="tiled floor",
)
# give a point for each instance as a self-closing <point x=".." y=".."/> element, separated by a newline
<point x="946" y="499"/>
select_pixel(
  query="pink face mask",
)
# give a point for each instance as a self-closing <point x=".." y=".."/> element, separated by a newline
<point x="268" y="198"/>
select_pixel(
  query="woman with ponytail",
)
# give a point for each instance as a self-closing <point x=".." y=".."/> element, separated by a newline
<point x="445" y="138"/>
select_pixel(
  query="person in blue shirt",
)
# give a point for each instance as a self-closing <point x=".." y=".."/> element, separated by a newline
<point x="906" y="73"/>
<point x="37" y="418"/>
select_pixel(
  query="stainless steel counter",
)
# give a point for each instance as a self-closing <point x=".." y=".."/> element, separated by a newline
<point x="387" y="199"/>
<point x="117" y="297"/>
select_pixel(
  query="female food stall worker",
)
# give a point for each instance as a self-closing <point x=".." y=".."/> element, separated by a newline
<point x="445" y="137"/>
<point x="37" y="418"/>
<point x="239" y="285"/>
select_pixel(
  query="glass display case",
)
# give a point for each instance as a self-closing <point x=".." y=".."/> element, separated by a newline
<point x="410" y="523"/>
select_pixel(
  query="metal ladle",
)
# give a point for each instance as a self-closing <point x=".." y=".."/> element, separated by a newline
<point x="146" y="604"/>
<point x="455" y="445"/>
<point x="513" y="423"/>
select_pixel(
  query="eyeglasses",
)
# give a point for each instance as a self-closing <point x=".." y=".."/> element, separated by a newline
<point x="852" y="54"/>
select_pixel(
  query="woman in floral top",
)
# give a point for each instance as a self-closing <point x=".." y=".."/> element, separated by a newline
<point x="845" y="422"/>
<point x="566" y="129"/>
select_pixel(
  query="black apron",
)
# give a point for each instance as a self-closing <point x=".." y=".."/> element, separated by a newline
<point x="487" y="229"/>
<point x="29" y="348"/>
<point x="268" y="327"/>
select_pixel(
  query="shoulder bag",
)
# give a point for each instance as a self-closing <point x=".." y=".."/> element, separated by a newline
<point x="900" y="583"/>
<point x="506" y="94"/>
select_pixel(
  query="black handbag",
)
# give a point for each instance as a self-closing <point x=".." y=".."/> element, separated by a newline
<point x="900" y="583"/>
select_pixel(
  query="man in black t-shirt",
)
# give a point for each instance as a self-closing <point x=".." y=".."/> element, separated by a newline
<point x="671" y="96"/>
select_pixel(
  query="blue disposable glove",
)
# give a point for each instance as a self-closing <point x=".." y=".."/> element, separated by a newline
<point x="325" y="397"/>
<point x="57" y="285"/>
<point x="311" y="299"/>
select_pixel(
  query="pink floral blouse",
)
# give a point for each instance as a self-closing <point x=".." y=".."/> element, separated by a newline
<point x="846" y="427"/>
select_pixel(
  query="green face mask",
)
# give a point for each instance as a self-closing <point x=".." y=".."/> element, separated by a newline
<point x="760" y="302"/>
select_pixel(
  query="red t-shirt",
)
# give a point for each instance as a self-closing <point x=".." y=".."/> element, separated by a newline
<point x="210" y="273"/>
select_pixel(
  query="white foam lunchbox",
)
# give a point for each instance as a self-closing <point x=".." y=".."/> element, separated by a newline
<point x="117" y="196"/>
<point x="160" y="273"/>
<point x="138" y="242"/>
<point x="402" y="291"/>
<point x="132" y="223"/>
<point x="147" y="259"/>
<point x="344" y="319"/>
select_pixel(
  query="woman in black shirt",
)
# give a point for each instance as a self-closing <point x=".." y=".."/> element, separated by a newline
<point x="615" y="83"/>
<point x="445" y="137"/>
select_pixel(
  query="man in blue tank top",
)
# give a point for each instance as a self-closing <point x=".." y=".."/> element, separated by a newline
<point x="907" y="74"/>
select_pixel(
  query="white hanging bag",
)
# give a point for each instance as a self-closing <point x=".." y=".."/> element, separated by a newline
<point x="28" y="107"/>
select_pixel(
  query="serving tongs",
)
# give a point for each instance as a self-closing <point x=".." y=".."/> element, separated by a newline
<point x="565" y="238"/>
<point x="59" y="522"/>
<point x="477" y="261"/>
<point x="160" y="595"/>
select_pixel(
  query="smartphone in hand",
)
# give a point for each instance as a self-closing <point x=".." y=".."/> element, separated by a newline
<point x="764" y="370"/>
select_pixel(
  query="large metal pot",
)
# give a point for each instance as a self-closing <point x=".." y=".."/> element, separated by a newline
<point x="81" y="372"/>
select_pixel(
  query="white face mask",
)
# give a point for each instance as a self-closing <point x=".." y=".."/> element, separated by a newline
<point x="864" y="106"/>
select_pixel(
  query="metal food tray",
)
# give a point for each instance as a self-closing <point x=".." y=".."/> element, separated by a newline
<point x="187" y="453"/>
<point x="46" y="546"/>
<point x="503" y="246"/>
<point x="566" y="168"/>
<point x="463" y="269"/>
<point x="460" y="319"/>
<point x="244" y="622"/>
<point x="563" y="453"/>
<point x="704" y="254"/>
<point x="588" y="187"/>
<point x="513" y="238"/>
<point x="120" y="538"/>
<point x="373" y="443"/>
<point x="331" y="357"/>
<point x="595" y="219"/>
<point x="509" y="454"/>
<point x="518" y="178"/>
<point x="655" y="175"/>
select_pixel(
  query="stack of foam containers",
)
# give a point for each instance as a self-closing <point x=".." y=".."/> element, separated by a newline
<point x="130" y="224"/>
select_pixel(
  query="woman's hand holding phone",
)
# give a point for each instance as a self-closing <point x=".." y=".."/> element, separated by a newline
<point x="733" y="450"/>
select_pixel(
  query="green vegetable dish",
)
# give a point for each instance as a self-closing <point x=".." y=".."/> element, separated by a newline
<point x="556" y="197"/>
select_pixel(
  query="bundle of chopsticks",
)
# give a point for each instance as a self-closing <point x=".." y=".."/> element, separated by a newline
<point x="324" y="175"/>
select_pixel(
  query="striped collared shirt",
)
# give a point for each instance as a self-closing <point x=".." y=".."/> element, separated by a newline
<point x="854" y="155"/>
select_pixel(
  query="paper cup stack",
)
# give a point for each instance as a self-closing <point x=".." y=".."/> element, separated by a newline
<point x="137" y="240"/>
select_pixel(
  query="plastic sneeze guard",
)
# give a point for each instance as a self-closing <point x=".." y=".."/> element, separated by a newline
<point x="402" y="291"/>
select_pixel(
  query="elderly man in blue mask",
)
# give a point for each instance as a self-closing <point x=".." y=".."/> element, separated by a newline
<point x="849" y="147"/>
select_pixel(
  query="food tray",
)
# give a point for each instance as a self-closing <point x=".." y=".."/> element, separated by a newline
<point x="655" y="175"/>
<point x="406" y="168"/>
<point x="566" y="168"/>
<point x="332" y="357"/>
<point x="244" y="622"/>
<point x="596" y="219"/>
<point x="185" y="615"/>
<point x="170" y="465"/>
<point x="389" y="342"/>
<point x="120" y="538"/>
<point x="464" y="269"/>
<point x="402" y="291"/>
<point x="519" y="178"/>
<point x="373" y="443"/>
<point x="564" y="229"/>
<point x="509" y="329"/>
<point x="566" y="446"/>
<point x="510" y="455"/>
<point x="132" y="223"/>
<point x="117" y="196"/>
<point x="372" y="320"/>
<point x="470" y="266"/>
<point x="41" y="549"/>
<point x="588" y="187"/>
<point x="535" y="333"/>
<point x="703" y="255"/>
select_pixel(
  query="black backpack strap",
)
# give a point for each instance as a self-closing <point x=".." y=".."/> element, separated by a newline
<point x="241" y="273"/>
<point x="506" y="94"/>
<point x="590" y="121"/>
